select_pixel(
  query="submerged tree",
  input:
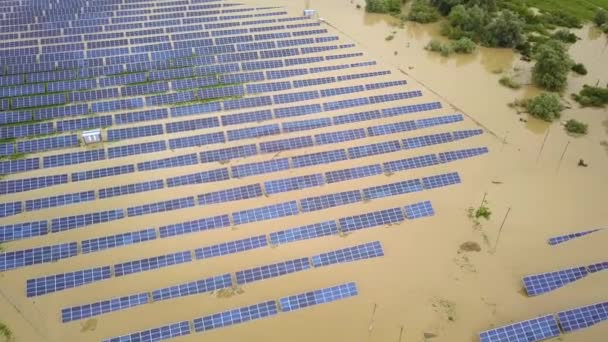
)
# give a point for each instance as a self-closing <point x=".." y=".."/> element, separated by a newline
<point x="383" y="6"/>
<point x="506" y="30"/>
<point x="552" y="65"/>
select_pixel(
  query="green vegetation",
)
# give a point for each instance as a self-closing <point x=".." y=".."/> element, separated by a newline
<point x="576" y="127"/>
<point x="482" y="212"/>
<point x="436" y="46"/>
<point x="562" y="18"/>
<point x="423" y="12"/>
<point x="509" y="82"/>
<point x="579" y="68"/>
<point x="383" y="6"/>
<point x="6" y="332"/>
<point x="592" y="96"/>
<point x="565" y="36"/>
<point x="462" y="45"/>
<point x="545" y="106"/>
<point x="601" y="20"/>
<point x="582" y="9"/>
<point x="552" y="66"/>
<point x="389" y="38"/>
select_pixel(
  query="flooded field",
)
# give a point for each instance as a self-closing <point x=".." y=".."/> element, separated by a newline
<point x="441" y="278"/>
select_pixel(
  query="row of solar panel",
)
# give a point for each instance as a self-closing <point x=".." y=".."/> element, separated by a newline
<point x="243" y="314"/>
<point x="563" y="238"/>
<point x="545" y="282"/>
<point x="549" y="326"/>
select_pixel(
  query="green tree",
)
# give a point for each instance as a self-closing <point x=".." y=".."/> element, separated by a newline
<point x="383" y="6"/>
<point x="545" y="106"/>
<point x="552" y="66"/>
<point x="505" y="30"/>
<point x="592" y="96"/>
<point x="463" y="45"/>
<point x="601" y="17"/>
<point x="445" y="6"/>
<point x="423" y="12"/>
<point x="466" y="22"/>
<point x="577" y="127"/>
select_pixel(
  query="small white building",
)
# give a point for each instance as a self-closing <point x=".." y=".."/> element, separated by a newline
<point x="92" y="136"/>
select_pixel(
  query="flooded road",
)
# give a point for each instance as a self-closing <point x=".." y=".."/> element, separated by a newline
<point x="425" y="288"/>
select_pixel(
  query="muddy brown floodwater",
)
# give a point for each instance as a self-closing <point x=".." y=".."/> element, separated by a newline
<point x="442" y="279"/>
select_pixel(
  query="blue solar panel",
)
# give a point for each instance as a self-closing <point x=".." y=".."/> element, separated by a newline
<point x="256" y="116"/>
<point x="427" y="140"/>
<point x="100" y="173"/>
<point x="330" y="201"/>
<point x="229" y="195"/>
<point x="391" y="128"/>
<point x="353" y="173"/>
<point x="74" y="158"/>
<point x="583" y="317"/>
<point x="546" y="282"/>
<point x="304" y="232"/>
<point x="77" y="221"/>
<point x="458" y="135"/>
<point x="297" y="126"/>
<point x="357" y="117"/>
<point x="199" y="177"/>
<point x="343" y="104"/>
<point x="194" y="287"/>
<point x="536" y="329"/>
<point x="441" y="120"/>
<point x="203" y="224"/>
<point x="7" y="149"/>
<point x="226" y="154"/>
<point x="297" y="111"/>
<point x="319" y="158"/>
<point x="21" y="131"/>
<point x="27" y="184"/>
<point x="146" y="115"/>
<point x="236" y="316"/>
<point x="188" y="159"/>
<point x="253" y="132"/>
<point x="321" y="296"/>
<point x="231" y="247"/>
<point x="131" y="188"/>
<point x="31" y="146"/>
<point x="462" y="154"/>
<point x="440" y="180"/>
<point x="251" y="169"/>
<point x="265" y="213"/>
<point x="192" y="125"/>
<point x="342" y="136"/>
<point x="393" y="189"/>
<point x="106" y="242"/>
<point x="359" y="252"/>
<point x="563" y="238"/>
<point x="19" y="165"/>
<point x="272" y="270"/>
<point x="411" y="163"/>
<point x="23" y="230"/>
<point x="134" y="132"/>
<point x="129" y="150"/>
<point x="296" y="97"/>
<point x="102" y="307"/>
<point x="143" y="265"/>
<point x="285" y="144"/>
<point x="373" y="149"/>
<point x="58" y="282"/>
<point x="293" y="183"/>
<point x="159" y="207"/>
<point x="372" y="219"/>
<point x="38" y="255"/>
<point x="418" y="210"/>
<point x="60" y="200"/>
<point x="197" y="140"/>
<point x="156" y="334"/>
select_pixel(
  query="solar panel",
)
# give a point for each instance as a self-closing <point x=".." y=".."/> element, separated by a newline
<point x="272" y="270"/>
<point x="197" y="140"/>
<point x="156" y="334"/>
<point x="124" y="239"/>
<point x="318" y="158"/>
<point x="458" y="135"/>
<point x="203" y="224"/>
<point x="321" y="296"/>
<point x="159" y="207"/>
<point x="231" y="247"/>
<point x="134" y="132"/>
<point x="256" y="116"/>
<point x="293" y="183"/>
<point x="393" y="189"/>
<point x="77" y="221"/>
<point x="101" y="173"/>
<point x="304" y="233"/>
<point x="440" y="180"/>
<point x="201" y="108"/>
<point x="353" y="173"/>
<point x="418" y="210"/>
<point x="563" y="238"/>
<point x="341" y="136"/>
<point x="545" y="282"/>
<point x="130" y="150"/>
<point x="427" y="140"/>
<point x="297" y="126"/>
<point x="343" y="104"/>
<point x="252" y="169"/>
<point x="184" y="160"/>
<point x="143" y="265"/>
<point x="102" y="307"/>
<point x="372" y="219"/>
<point x="192" y="125"/>
<point x="236" y="316"/>
<point x="229" y="195"/>
<point x="253" y="132"/>
<point x="357" y="117"/>
<point x="330" y="201"/>
<point x="462" y="154"/>
<point x="297" y="110"/>
<point x="194" y="287"/>
<point x="199" y="177"/>
<point x="57" y="282"/>
<point x="536" y="329"/>
<point x="74" y="158"/>
<point x="441" y="120"/>
<point x="374" y="149"/>
<point x="597" y="267"/>
<point x="285" y="144"/>
<point x="359" y="252"/>
<point x="583" y="317"/>
<point x="19" y="165"/>
<point x="27" y="184"/>
<point x="265" y="213"/>
<point x="23" y="230"/>
<point x="391" y="128"/>
<point x="131" y="189"/>
<point x="59" y="200"/>
<point x="22" y="131"/>
<point x="52" y="143"/>
<point x="38" y="255"/>
<point x="411" y="163"/>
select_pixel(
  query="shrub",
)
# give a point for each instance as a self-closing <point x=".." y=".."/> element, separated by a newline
<point x="545" y="106"/>
<point x="553" y="64"/>
<point x="505" y="30"/>
<point x="437" y="46"/>
<point x="577" y="127"/>
<point x="383" y="6"/>
<point x="6" y="332"/>
<point x="423" y="12"/>
<point x="565" y="36"/>
<point x="509" y="82"/>
<point x="463" y="45"/>
<point x="579" y="68"/>
<point x="601" y="17"/>
<point x="592" y="96"/>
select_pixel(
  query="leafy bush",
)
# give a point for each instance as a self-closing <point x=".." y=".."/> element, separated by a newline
<point x="545" y="106"/>
<point x="463" y="45"/>
<point x="577" y="127"/>
<point x="565" y="36"/>
<point x="509" y="82"/>
<point x="561" y="18"/>
<point x="579" y="68"/>
<point x="383" y="6"/>
<point x="553" y="64"/>
<point x="601" y="17"/>
<point x="505" y="30"/>
<point x="592" y="96"/>
<point x="437" y="46"/>
<point x="423" y="12"/>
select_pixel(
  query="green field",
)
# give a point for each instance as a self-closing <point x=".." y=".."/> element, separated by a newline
<point x="584" y="9"/>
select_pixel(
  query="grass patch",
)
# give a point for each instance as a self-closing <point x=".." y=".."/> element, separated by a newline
<point x="576" y="127"/>
<point x="581" y="9"/>
<point x="509" y="82"/>
<point x="4" y="329"/>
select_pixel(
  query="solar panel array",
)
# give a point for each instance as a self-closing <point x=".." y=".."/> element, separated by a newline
<point x="563" y="238"/>
<point x="176" y="87"/>
<point x="545" y="282"/>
